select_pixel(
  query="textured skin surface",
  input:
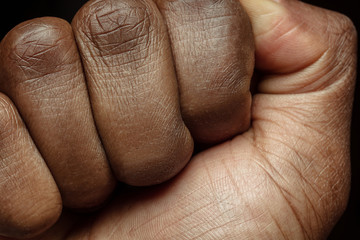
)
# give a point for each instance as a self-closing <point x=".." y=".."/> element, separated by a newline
<point x="122" y="89"/>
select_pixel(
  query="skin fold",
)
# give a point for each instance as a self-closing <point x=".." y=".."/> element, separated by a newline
<point x="125" y="92"/>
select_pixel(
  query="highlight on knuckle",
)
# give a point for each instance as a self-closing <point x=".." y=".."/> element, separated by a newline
<point x="115" y="27"/>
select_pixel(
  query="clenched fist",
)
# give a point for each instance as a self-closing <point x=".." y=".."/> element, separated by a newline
<point x="126" y="91"/>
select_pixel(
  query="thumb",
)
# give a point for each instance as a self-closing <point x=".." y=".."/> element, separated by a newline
<point x="286" y="36"/>
<point x="292" y="36"/>
<point x="301" y="114"/>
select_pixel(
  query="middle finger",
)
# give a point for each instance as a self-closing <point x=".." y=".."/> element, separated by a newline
<point x="133" y="90"/>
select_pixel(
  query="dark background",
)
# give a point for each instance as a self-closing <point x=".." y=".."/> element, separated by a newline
<point x="349" y="225"/>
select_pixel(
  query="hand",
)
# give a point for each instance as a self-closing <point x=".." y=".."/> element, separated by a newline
<point x="285" y="177"/>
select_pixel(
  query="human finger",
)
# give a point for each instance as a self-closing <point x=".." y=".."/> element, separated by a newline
<point x="41" y="72"/>
<point x="133" y="91"/>
<point x="30" y="201"/>
<point x="213" y="50"/>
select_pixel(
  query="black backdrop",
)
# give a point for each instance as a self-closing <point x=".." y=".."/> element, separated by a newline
<point x="348" y="227"/>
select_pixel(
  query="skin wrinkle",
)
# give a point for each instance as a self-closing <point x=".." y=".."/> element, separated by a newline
<point x="281" y="26"/>
<point x="133" y="40"/>
<point x="7" y="119"/>
<point x="279" y="227"/>
<point x="304" y="179"/>
<point x="317" y="83"/>
<point x="301" y="170"/>
<point x="16" y="181"/>
<point x="217" y="204"/>
<point x="203" y="4"/>
<point x="32" y="52"/>
<point x="129" y="62"/>
<point x="51" y="92"/>
<point x="282" y="192"/>
<point x="338" y="27"/>
<point x="161" y="107"/>
<point x="270" y="174"/>
<point x="192" y="211"/>
<point x="176" y="26"/>
<point x="39" y="50"/>
<point x="122" y="23"/>
<point x="188" y="214"/>
<point x="52" y="95"/>
<point x="298" y="139"/>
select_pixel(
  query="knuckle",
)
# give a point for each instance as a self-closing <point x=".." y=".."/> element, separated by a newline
<point x="340" y="52"/>
<point x="36" y="48"/>
<point x="342" y="29"/>
<point x="114" y="27"/>
<point x="344" y="22"/>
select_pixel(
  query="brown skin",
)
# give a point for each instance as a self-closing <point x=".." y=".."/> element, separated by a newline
<point x="287" y="177"/>
<point x="42" y="74"/>
<point x="133" y="91"/>
<point x="213" y="74"/>
<point x="30" y="200"/>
